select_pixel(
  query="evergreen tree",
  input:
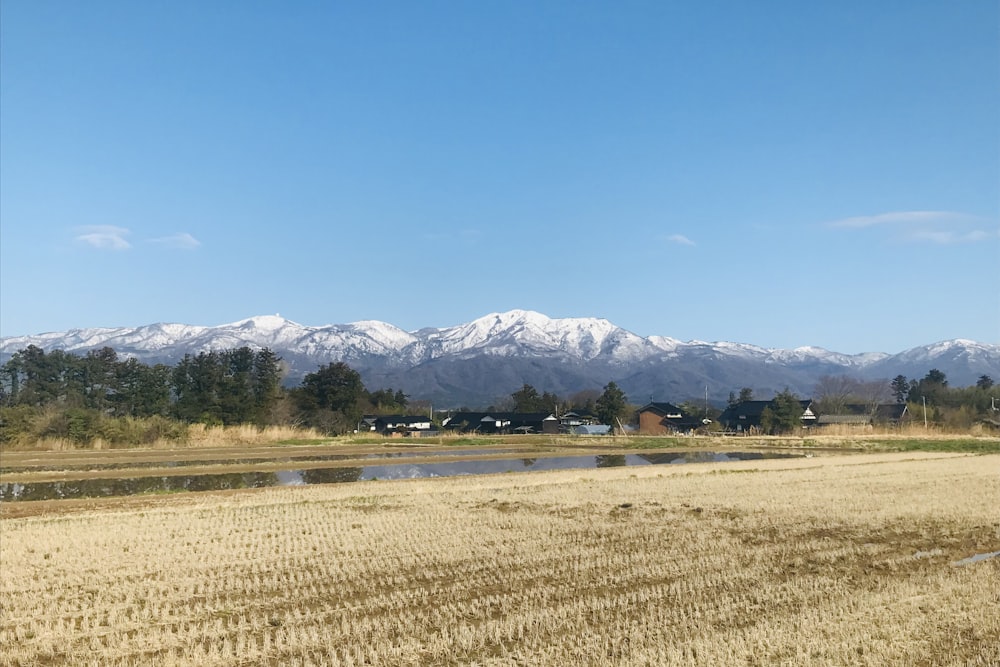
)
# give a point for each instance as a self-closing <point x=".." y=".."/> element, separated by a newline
<point x="388" y="402"/>
<point x="932" y="388"/>
<point x="153" y="396"/>
<point x="783" y="415"/>
<point x="196" y="382"/>
<point x="612" y="406"/>
<point x="330" y="398"/>
<point x="549" y="403"/>
<point x="235" y="395"/>
<point x="526" y="399"/>
<point x="97" y="378"/>
<point x="900" y="388"/>
<point x="267" y="373"/>
<point x="38" y="378"/>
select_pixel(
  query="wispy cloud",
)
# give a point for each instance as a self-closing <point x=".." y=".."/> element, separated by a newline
<point x="182" y="241"/>
<point x="680" y="239"/>
<point x="949" y="237"/>
<point x="111" y="237"/>
<point x="940" y="227"/>
<point x="104" y="237"/>
<point x="900" y="218"/>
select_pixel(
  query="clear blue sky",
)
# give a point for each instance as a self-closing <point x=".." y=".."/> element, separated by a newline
<point x="775" y="173"/>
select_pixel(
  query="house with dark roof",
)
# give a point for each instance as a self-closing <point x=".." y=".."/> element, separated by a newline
<point x="407" y="425"/>
<point x="662" y="418"/>
<point x="568" y="421"/>
<point x="745" y="417"/>
<point x="502" y="422"/>
<point x="861" y="415"/>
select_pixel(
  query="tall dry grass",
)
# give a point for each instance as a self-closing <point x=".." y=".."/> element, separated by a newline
<point x="199" y="435"/>
<point x="839" y="561"/>
<point x="195" y="435"/>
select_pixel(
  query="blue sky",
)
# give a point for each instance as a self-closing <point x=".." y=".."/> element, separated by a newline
<point x="775" y="173"/>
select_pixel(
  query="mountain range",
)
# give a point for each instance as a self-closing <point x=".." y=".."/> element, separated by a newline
<point x="485" y="360"/>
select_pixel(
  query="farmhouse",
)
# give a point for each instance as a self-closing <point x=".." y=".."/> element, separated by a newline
<point x="746" y="416"/>
<point x="410" y="425"/>
<point x="568" y="421"/>
<point x="502" y="422"/>
<point x="661" y="418"/>
<point x="861" y="415"/>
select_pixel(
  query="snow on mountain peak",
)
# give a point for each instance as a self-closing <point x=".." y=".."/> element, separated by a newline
<point x="388" y="335"/>
<point x="515" y="333"/>
<point x="528" y="331"/>
<point x="264" y="323"/>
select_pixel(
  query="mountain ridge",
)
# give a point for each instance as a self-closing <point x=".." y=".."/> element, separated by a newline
<point x="491" y="356"/>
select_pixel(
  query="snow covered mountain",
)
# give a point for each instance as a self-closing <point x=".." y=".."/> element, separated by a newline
<point x="480" y="361"/>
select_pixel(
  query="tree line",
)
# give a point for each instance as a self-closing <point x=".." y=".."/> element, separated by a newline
<point x="236" y="386"/>
<point x="103" y="395"/>
<point x="120" y="399"/>
<point x="610" y="406"/>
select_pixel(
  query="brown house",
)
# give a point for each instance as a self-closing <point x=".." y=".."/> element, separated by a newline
<point x="665" y="418"/>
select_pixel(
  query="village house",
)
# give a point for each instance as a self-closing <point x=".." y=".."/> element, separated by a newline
<point x="745" y="417"/>
<point x="570" y="420"/>
<point x="665" y="418"/>
<point x="404" y="425"/>
<point x="502" y="422"/>
<point x="862" y="416"/>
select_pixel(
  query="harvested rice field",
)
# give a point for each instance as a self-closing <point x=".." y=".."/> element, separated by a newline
<point x="858" y="559"/>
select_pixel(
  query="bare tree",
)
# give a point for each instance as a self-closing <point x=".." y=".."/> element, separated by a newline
<point x="834" y="392"/>
<point x="874" y="393"/>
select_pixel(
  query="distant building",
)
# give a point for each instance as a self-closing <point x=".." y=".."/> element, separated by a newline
<point x="407" y="425"/>
<point x="745" y="417"/>
<point x="570" y="420"/>
<point x="665" y="418"/>
<point x="591" y="429"/>
<point x="860" y="415"/>
<point x="499" y="423"/>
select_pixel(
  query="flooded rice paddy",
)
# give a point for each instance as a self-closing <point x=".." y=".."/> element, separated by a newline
<point x="122" y="465"/>
<point x="372" y="466"/>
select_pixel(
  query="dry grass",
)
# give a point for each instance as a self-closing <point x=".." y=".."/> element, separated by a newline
<point x="197" y="435"/>
<point x="823" y="561"/>
<point x="200" y="435"/>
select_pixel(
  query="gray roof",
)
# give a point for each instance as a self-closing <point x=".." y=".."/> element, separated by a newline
<point x="592" y="429"/>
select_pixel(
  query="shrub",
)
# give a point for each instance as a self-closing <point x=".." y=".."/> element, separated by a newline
<point x="17" y="424"/>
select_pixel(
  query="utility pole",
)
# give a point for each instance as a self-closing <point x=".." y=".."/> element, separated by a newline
<point x="924" y="398"/>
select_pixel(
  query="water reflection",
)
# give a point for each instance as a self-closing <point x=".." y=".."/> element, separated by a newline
<point x="95" y="488"/>
<point x="305" y="458"/>
<point x="128" y="486"/>
<point x="610" y="461"/>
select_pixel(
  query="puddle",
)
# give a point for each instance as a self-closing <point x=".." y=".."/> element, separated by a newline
<point x="98" y="488"/>
<point x="975" y="559"/>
